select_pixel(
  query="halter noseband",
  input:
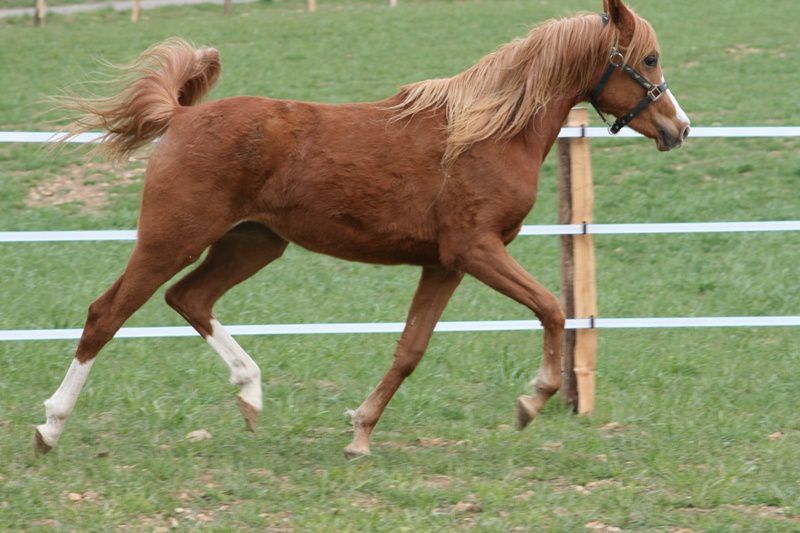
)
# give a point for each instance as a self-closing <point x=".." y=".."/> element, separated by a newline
<point x="617" y="60"/>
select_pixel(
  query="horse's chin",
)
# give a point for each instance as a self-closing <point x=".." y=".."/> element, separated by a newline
<point x="663" y="147"/>
<point x="666" y="141"/>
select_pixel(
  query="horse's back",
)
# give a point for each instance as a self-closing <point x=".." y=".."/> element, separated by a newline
<point x="340" y="179"/>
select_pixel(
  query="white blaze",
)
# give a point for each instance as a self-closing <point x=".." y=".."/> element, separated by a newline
<point x="679" y="113"/>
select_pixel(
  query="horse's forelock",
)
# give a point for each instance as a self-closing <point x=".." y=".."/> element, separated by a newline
<point x="643" y="41"/>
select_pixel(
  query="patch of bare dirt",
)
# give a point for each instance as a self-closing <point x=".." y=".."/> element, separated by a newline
<point x="157" y="523"/>
<point x="46" y="522"/>
<point x="83" y="497"/>
<point x="740" y="51"/>
<point x="524" y="496"/>
<point x="198" y="435"/>
<point x="613" y="427"/>
<point x="760" y="511"/>
<point x="208" y="481"/>
<point x="436" y="442"/>
<point x="278" y="522"/>
<point x="439" y="482"/>
<point x="89" y="185"/>
<point x="366" y="502"/>
<point x="525" y="471"/>
<point x="422" y="442"/>
<point x="596" y="525"/>
<point x="469" y="505"/>
<point x="696" y="466"/>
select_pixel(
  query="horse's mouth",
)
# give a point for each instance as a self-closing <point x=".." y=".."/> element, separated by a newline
<point x="666" y="142"/>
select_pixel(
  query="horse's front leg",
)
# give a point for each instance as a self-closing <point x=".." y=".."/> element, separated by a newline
<point x="435" y="288"/>
<point x="490" y="262"/>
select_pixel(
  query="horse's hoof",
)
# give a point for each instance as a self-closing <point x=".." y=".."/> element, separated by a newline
<point x="249" y="412"/>
<point x="39" y="445"/>
<point x="527" y="409"/>
<point x="353" y="452"/>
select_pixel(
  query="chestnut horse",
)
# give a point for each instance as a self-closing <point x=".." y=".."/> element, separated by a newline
<point x="440" y="175"/>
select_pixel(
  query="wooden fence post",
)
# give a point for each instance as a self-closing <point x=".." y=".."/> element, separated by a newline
<point x="39" y="12"/>
<point x="228" y="7"/>
<point x="579" y="292"/>
<point x="312" y="5"/>
<point x="135" y="10"/>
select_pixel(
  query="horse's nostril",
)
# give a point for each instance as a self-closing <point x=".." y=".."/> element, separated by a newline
<point x="685" y="132"/>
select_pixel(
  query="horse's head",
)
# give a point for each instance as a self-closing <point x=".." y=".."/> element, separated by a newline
<point x="630" y="85"/>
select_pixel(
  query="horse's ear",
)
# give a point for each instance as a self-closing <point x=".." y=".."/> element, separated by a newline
<point x="620" y="16"/>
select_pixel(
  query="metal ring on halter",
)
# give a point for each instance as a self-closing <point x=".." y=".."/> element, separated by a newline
<point x="616" y="54"/>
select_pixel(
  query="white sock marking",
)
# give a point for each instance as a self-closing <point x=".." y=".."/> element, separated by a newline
<point x="59" y="406"/>
<point x="244" y="371"/>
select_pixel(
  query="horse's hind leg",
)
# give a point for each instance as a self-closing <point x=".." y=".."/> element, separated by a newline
<point x="239" y="254"/>
<point x="435" y="288"/>
<point x="490" y="263"/>
<point x="152" y="263"/>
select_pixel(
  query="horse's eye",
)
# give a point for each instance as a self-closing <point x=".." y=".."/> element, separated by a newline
<point x="651" y="61"/>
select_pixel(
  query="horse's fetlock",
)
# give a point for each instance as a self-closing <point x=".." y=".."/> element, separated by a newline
<point x="55" y="410"/>
<point x="546" y="387"/>
<point x="245" y="376"/>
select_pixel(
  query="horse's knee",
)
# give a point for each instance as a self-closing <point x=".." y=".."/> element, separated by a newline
<point x="406" y="361"/>
<point x="552" y="316"/>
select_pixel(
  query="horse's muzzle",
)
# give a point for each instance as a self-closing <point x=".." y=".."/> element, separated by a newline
<point x="667" y="140"/>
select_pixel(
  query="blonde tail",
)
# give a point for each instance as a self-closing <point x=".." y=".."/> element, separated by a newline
<point x="165" y="77"/>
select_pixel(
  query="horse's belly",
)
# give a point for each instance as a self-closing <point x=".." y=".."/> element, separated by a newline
<point x="362" y="242"/>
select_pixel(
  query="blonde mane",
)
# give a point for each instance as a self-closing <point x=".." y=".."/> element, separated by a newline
<point x="501" y="94"/>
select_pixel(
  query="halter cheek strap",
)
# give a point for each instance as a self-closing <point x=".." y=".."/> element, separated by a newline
<point x="652" y="94"/>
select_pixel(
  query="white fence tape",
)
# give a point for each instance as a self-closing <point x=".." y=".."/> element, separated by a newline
<point x="397" y="327"/>
<point x="67" y="236"/>
<point x="44" y="137"/>
<point x="472" y="326"/>
<point x="568" y="229"/>
<point x="699" y="132"/>
<point x="661" y="228"/>
<point x="566" y="133"/>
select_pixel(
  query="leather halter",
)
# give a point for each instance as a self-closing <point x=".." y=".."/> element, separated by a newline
<point x="617" y="61"/>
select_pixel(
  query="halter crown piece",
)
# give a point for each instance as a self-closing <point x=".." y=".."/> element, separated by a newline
<point x="617" y="61"/>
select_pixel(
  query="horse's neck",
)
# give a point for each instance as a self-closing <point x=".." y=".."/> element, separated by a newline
<point x="543" y="129"/>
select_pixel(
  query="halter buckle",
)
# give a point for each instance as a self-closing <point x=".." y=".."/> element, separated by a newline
<point x="655" y="93"/>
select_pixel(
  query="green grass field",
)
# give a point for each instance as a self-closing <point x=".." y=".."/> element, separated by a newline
<point x="695" y="430"/>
